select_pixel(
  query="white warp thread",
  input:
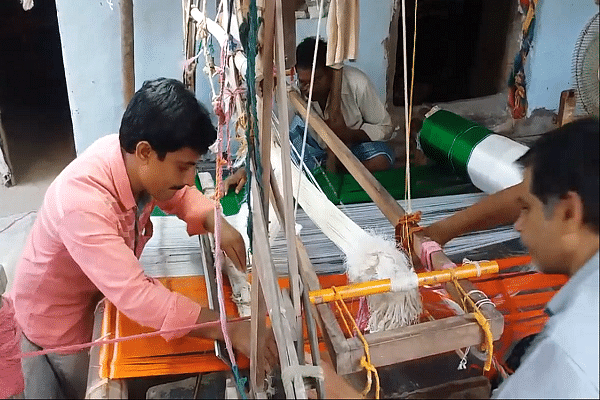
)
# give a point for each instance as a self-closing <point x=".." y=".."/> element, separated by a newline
<point x="368" y="257"/>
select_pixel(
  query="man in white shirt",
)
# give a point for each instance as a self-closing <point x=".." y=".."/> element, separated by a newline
<point x="362" y="122"/>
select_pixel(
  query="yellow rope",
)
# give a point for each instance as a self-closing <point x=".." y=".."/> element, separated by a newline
<point x="365" y="360"/>
<point x="488" y="344"/>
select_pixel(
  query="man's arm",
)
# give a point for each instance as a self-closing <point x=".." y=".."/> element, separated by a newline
<point x="197" y="210"/>
<point x="239" y="333"/>
<point x="500" y="208"/>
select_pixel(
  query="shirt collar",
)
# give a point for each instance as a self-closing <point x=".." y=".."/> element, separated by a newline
<point x="561" y="300"/>
<point x="119" y="174"/>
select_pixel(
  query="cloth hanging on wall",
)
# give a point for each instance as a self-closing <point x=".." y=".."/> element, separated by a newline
<point x="342" y="32"/>
<point x="517" y="95"/>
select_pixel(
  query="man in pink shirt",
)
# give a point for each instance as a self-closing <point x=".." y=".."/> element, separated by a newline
<point x="92" y="228"/>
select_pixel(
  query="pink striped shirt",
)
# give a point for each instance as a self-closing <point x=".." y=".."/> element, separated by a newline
<point x="84" y="245"/>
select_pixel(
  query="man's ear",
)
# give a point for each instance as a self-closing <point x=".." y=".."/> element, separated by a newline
<point x="143" y="151"/>
<point x="570" y="211"/>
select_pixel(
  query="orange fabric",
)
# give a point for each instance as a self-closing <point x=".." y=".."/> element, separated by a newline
<point x="155" y="356"/>
<point x="520" y="296"/>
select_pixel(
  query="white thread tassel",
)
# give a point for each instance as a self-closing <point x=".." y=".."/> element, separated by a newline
<point x="368" y="256"/>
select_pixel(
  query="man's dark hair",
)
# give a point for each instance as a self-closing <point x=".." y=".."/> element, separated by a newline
<point x="305" y="53"/>
<point x="167" y="115"/>
<point x="566" y="159"/>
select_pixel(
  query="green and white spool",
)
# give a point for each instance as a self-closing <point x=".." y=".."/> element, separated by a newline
<point x="469" y="148"/>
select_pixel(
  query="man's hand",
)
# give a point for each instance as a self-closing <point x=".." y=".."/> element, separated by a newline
<point x="240" y="334"/>
<point x="336" y="123"/>
<point x="232" y="243"/>
<point x="336" y="386"/>
<point x="237" y="179"/>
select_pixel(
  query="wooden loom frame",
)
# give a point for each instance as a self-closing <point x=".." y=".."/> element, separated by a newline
<point x="386" y="348"/>
<point x="407" y="343"/>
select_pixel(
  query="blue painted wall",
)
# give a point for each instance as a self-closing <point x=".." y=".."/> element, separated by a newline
<point x="90" y="37"/>
<point x="375" y="18"/>
<point x="548" y="68"/>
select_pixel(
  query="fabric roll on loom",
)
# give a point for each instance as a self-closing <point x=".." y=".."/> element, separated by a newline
<point x="469" y="148"/>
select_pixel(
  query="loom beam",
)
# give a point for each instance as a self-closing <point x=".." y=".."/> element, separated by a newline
<point x="407" y="343"/>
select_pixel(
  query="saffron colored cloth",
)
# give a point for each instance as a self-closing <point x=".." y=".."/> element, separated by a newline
<point x="85" y="244"/>
<point x="361" y="107"/>
<point x="562" y="362"/>
<point x="11" y="376"/>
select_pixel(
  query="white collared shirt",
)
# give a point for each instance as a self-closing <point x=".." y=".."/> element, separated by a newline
<point x="562" y="361"/>
<point x="361" y="107"/>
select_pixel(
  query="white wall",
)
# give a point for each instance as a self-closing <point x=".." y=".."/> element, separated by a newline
<point x="90" y="38"/>
<point x="548" y="68"/>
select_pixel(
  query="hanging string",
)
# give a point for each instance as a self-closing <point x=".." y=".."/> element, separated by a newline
<point x="223" y="111"/>
<point x="365" y="361"/>
<point x="309" y="103"/>
<point x="252" y="138"/>
<point x="488" y="344"/>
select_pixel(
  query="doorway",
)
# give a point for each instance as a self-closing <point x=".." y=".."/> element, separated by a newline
<point x="34" y="104"/>
<point x="460" y="51"/>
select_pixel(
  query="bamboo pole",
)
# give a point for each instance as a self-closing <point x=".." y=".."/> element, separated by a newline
<point x="128" y="66"/>
<point x="385" y="285"/>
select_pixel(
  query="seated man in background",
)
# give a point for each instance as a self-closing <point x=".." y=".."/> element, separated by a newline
<point x="362" y="123"/>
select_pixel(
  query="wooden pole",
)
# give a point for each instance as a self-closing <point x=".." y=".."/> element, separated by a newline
<point x="128" y="69"/>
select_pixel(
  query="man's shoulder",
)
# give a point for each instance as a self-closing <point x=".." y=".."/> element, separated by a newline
<point x="355" y="75"/>
<point x="87" y="182"/>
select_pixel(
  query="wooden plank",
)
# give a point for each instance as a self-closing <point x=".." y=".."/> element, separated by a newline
<point x="128" y="65"/>
<point x="415" y="341"/>
<point x="332" y="333"/>
<point x="263" y="265"/>
<point x="386" y="203"/>
<point x="288" y="198"/>
<point x="289" y="29"/>
<point x="258" y="335"/>
<point x="266" y="61"/>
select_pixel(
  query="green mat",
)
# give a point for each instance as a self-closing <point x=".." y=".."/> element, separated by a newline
<point x="230" y="203"/>
<point x="427" y="181"/>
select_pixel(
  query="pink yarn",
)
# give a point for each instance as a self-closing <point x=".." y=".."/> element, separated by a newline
<point x="427" y="249"/>
<point x="11" y="375"/>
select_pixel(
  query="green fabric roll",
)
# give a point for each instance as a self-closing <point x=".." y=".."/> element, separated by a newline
<point x="449" y="139"/>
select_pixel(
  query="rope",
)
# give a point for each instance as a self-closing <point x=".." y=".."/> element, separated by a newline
<point x="406" y="226"/>
<point x="408" y="100"/>
<point x="100" y="342"/>
<point x="365" y="361"/>
<point x="223" y="111"/>
<point x="488" y="344"/>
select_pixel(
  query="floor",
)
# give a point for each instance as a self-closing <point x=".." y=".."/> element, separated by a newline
<point x="40" y="142"/>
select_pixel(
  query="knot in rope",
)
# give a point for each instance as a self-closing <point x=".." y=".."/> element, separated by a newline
<point x="406" y="227"/>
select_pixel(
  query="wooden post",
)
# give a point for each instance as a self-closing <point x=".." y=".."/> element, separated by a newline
<point x="267" y="100"/>
<point x="128" y="67"/>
